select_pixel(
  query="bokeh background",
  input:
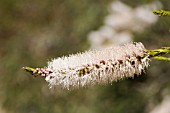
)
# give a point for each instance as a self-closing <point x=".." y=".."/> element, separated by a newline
<point x="34" y="31"/>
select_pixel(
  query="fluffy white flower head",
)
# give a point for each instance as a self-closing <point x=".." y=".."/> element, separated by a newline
<point x="98" y="67"/>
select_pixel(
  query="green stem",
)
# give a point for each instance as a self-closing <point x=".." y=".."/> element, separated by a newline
<point x="30" y="70"/>
<point x="162" y="58"/>
<point x="161" y="12"/>
<point x="157" y="53"/>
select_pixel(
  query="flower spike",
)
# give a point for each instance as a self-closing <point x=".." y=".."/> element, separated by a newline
<point x="98" y="67"/>
<point x="95" y="67"/>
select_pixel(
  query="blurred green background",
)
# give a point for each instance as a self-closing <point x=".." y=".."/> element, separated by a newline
<point x="35" y="31"/>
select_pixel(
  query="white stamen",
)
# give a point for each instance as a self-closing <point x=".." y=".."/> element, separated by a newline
<point x="98" y="67"/>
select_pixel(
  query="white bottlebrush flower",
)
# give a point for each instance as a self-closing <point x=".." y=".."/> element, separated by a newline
<point x="96" y="67"/>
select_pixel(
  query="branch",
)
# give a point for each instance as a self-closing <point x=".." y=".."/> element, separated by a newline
<point x="156" y="54"/>
<point x="30" y="70"/>
<point x="159" y="52"/>
<point x="161" y="12"/>
<point x="99" y="67"/>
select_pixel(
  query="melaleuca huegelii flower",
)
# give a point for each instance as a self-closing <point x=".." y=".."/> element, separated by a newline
<point x="96" y="67"/>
